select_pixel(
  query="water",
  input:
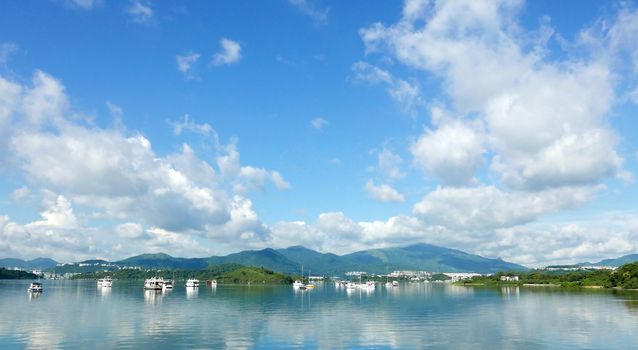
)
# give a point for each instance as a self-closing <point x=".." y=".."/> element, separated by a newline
<point x="78" y="315"/>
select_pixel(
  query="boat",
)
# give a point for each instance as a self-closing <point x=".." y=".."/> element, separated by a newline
<point x="154" y="283"/>
<point x="395" y="284"/>
<point x="212" y="283"/>
<point x="192" y="283"/>
<point x="370" y="285"/>
<point x="351" y="285"/>
<point x="35" y="287"/>
<point x="297" y="284"/>
<point x="167" y="285"/>
<point x="105" y="282"/>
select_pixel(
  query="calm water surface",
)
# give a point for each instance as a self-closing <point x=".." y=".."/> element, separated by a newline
<point x="78" y="315"/>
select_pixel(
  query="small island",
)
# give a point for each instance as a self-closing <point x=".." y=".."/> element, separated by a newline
<point x="7" y="274"/>
<point x="224" y="274"/>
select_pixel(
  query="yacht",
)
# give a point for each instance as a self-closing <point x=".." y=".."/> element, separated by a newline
<point x="105" y="282"/>
<point x="192" y="283"/>
<point x="35" y="287"/>
<point x="167" y="285"/>
<point x="395" y="284"/>
<point x="370" y="285"/>
<point x="154" y="283"/>
<point x="212" y="283"/>
<point x="351" y="285"/>
<point x="298" y="284"/>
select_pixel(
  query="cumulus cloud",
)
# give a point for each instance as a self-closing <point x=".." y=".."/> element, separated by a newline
<point x="389" y="164"/>
<point x="536" y="112"/>
<point x="383" y="192"/>
<point x="452" y="153"/>
<point x="115" y="175"/>
<point x="230" y="53"/>
<point x="186" y="63"/>
<point x="407" y="94"/>
<point x="486" y="207"/>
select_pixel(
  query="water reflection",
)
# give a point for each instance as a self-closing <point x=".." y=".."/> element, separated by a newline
<point x="152" y="296"/>
<point x="430" y="315"/>
<point x="191" y="292"/>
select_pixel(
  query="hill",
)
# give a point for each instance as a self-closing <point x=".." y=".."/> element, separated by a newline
<point x="15" y="274"/>
<point x="35" y="264"/>
<point x="616" y="262"/>
<point x="426" y="257"/>
<point x="165" y="261"/>
<point x="268" y="258"/>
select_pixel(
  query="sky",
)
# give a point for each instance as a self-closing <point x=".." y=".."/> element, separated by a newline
<point x="502" y="128"/>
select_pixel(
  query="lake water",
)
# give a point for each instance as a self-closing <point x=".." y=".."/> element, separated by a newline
<point x="78" y="315"/>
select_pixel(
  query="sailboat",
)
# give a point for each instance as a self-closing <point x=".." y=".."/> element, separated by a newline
<point x="309" y="285"/>
<point x="299" y="284"/>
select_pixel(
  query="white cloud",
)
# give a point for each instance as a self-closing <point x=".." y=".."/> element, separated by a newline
<point x="187" y="124"/>
<point x="318" y="123"/>
<point x="536" y="112"/>
<point x="6" y="51"/>
<point x="452" y="152"/>
<point x="114" y="175"/>
<point x="383" y="192"/>
<point x="186" y="63"/>
<point x="85" y="4"/>
<point x="229" y="54"/>
<point x="319" y="15"/>
<point x="140" y="11"/>
<point x="389" y="164"/>
<point x="406" y="94"/>
<point x="485" y="208"/>
<point x="20" y="193"/>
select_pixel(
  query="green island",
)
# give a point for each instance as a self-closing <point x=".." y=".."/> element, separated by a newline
<point x="625" y="277"/>
<point x="224" y="274"/>
<point x="6" y="274"/>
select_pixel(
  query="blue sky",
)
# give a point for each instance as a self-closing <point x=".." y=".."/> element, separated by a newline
<point x="502" y="128"/>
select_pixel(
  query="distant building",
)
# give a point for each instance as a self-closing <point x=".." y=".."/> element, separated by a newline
<point x="509" y="278"/>
<point x="315" y="278"/>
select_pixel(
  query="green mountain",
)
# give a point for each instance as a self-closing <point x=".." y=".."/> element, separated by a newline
<point x="164" y="261"/>
<point x="320" y="263"/>
<point x="35" y="264"/>
<point x="289" y="260"/>
<point x="267" y="258"/>
<point x="425" y="257"/>
<point x="15" y="274"/>
<point x="617" y="262"/>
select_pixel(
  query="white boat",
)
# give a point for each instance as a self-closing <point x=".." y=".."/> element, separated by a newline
<point x="370" y="285"/>
<point x="395" y="284"/>
<point x="35" y="287"/>
<point x="297" y="284"/>
<point x="167" y="285"/>
<point x="105" y="282"/>
<point x="192" y="283"/>
<point x="212" y="283"/>
<point x="154" y="283"/>
<point x="351" y="285"/>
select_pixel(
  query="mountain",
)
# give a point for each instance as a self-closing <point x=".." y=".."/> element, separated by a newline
<point x="289" y="260"/>
<point x="426" y="257"/>
<point x="321" y="263"/>
<point x="35" y="264"/>
<point x="161" y="260"/>
<point x="626" y="259"/>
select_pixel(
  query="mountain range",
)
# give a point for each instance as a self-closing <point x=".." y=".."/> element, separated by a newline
<point x="290" y="260"/>
<point x="35" y="264"/>
<point x="625" y="259"/>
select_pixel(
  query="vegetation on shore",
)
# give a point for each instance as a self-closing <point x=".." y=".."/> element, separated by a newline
<point x="625" y="277"/>
<point x="6" y="274"/>
<point x="224" y="273"/>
